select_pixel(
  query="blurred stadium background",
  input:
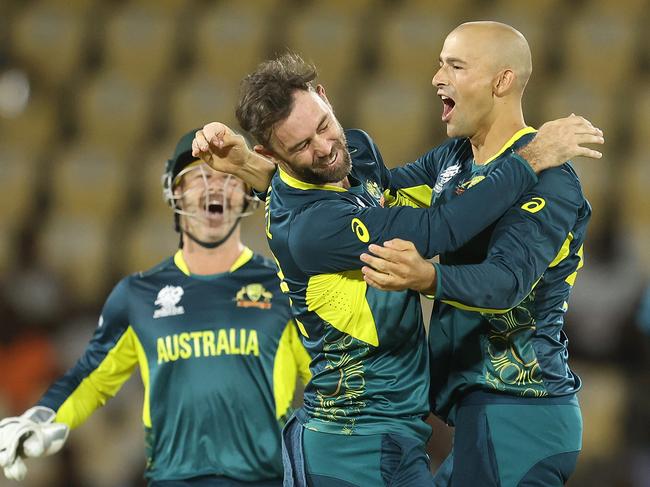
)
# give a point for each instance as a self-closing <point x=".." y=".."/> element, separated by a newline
<point x="95" y="93"/>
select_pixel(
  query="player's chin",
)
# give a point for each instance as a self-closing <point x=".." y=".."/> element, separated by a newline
<point x="452" y="130"/>
<point x="457" y="130"/>
<point x="338" y="173"/>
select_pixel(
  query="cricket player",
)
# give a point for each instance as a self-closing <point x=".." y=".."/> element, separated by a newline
<point x="213" y="337"/>
<point x="499" y="356"/>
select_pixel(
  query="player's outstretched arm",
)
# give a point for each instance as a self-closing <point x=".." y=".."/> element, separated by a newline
<point x="33" y="434"/>
<point x="221" y="148"/>
<point x="561" y="140"/>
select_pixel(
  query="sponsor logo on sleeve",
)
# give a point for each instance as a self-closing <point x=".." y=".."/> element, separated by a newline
<point x="445" y="176"/>
<point x="360" y="230"/>
<point x="534" y="205"/>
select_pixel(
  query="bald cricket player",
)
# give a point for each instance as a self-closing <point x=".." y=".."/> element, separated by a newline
<point x="499" y="357"/>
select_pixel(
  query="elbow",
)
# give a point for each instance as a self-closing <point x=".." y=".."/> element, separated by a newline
<point x="507" y="291"/>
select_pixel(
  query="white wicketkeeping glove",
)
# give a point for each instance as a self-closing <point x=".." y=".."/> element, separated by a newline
<point x="34" y="434"/>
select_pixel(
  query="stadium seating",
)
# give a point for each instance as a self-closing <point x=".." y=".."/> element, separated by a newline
<point x="600" y="48"/>
<point x="231" y="38"/>
<point x="77" y="250"/>
<point x="139" y="43"/>
<point x="200" y="97"/>
<point x="115" y="83"/>
<point x="398" y="115"/>
<point x="19" y="179"/>
<point x="35" y="129"/>
<point x="49" y="40"/>
<point x="149" y="239"/>
<point x="90" y="180"/>
<point x="112" y="109"/>
<point x="320" y="34"/>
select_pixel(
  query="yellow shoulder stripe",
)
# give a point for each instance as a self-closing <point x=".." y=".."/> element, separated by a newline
<point x="564" y="251"/>
<point x="571" y="279"/>
<point x="340" y="300"/>
<point x="290" y="361"/>
<point x="415" y="196"/>
<point x="144" y="374"/>
<point x="102" y="383"/>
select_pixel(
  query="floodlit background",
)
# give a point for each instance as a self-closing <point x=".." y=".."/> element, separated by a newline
<point x="95" y="93"/>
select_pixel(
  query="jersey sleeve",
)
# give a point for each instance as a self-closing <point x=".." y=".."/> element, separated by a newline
<point x="525" y="242"/>
<point x="412" y="184"/>
<point x="340" y="231"/>
<point x="408" y="185"/>
<point x="108" y="361"/>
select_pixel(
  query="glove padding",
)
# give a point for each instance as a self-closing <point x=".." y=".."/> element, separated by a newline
<point x="34" y="434"/>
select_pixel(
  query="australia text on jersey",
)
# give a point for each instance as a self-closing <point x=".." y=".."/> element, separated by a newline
<point x="207" y="343"/>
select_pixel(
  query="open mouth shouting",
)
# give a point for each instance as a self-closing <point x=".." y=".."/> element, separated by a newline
<point x="448" y="105"/>
<point x="215" y="208"/>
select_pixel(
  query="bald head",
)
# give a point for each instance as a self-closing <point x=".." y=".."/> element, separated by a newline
<point x="498" y="45"/>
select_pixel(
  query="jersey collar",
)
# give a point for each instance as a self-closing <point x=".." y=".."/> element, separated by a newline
<point x="518" y="135"/>
<point x="244" y="257"/>
<point x="296" y="183"/>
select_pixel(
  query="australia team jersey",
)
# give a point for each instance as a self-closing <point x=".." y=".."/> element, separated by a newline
<point x="218" y="356"/>
<point x="370" y="360"/>
<point x="500" y="302"/>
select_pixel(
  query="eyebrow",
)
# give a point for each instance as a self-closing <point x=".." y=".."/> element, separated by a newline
<point x="452" y="60"/>
<point x="294" y="147"/>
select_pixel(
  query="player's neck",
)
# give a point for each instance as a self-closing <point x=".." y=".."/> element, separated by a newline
<point x="203" y="261"/>
<point x="491" y="138"/>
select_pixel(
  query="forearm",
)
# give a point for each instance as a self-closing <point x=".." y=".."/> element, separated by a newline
<point x="477" y="208"/>
<point x="490" y="286"/>
<point x="257" y="172"/>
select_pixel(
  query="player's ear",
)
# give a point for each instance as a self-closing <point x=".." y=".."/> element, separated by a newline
<point x="504" y="82"/>
<point x="320" y="91"/>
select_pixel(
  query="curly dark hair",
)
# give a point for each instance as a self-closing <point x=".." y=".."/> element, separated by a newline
<point x="266" y="95"/>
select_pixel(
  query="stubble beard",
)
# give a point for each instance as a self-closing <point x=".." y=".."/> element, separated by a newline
<point x="325" y="174"/>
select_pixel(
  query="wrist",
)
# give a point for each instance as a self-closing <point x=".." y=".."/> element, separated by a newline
<point x="530" y="154"/>
<point x="257" y="171"/>
<point x="429" y="281"/>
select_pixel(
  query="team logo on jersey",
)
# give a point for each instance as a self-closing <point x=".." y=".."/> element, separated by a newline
<point x="373" y="189"/>
<point x="445" y="176"/>
<point x="168" y="299"/>
<point x="254" y="296"/>
<point x="461" y="188"/>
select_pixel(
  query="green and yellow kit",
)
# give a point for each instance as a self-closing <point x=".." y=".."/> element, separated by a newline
<point x="370" y="358"/>
<point x="218" y="355"/>
<point x="501" y="297"/>
<point x="499" y="357"/>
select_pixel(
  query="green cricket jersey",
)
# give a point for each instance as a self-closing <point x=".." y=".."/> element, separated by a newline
<point x="501" y="298"/>
<point x="218" y="356"/>
<point x="370" y="359"/>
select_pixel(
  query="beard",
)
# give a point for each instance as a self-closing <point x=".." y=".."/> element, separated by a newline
<point x="322" y="172"/>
